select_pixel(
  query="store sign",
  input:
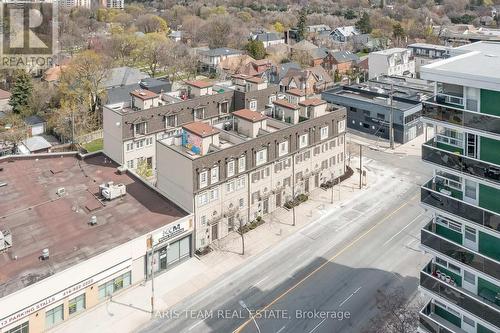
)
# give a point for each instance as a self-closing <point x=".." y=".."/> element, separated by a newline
<point x="171" y="231"/>
<point x="60" y="295"/>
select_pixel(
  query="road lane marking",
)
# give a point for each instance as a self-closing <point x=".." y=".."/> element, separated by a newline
<point x="400" y="231"/>
<point x="198" y="323"/>
<point x="260" y="281"/>
<point x="348" y="246"/>
<point x="315" y="327"/>
<point x="348" y="298"/>
<point x="281" y="329"/>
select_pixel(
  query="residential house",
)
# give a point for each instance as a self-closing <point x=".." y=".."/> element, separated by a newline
<point x="368" y="43"/>
<point x="123" y="76"/>
<point x="395" y="61"/>
<point x="312" y="80"/>
<point x="236" y="172"/>
<point x="209" y="59"/>
<point x="425" y="54"/>
<point x="344" y="34"/>
<point x="278" y="72"/>
<point x="308" y="53"/>
<point x="462" y="279"/>
<point x="341" y="61"/>
<point x="268" y="38"/>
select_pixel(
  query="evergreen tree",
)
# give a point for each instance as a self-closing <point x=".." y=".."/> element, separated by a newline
<point x="255" y="49"/>
<point x="398" y="32"/>
<point x="21" y="91"/>
<point x="363" y="24"/>
<point x="301" y="26"/>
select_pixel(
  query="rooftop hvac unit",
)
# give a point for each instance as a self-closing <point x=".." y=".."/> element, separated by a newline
<point x="112" y="191"/>
<point x="93" y="220"/>
<point x="45" y="254"/>
<point x="5" y="240"/>
<point x="122" y="169"/>
<point x="61" y="191"/>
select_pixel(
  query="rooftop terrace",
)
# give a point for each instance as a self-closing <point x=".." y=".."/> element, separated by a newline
<point x="39" y="218"/>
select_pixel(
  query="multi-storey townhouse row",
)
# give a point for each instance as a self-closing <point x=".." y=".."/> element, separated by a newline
<point x="463" y="277"/>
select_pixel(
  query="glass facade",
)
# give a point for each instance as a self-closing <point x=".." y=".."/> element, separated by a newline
<point x="112" y="286"/>
<point x="23" y="328"/>
<point x="54" y="316"/>
<point x="171" y="254"/>
<point x="76" y="304"/>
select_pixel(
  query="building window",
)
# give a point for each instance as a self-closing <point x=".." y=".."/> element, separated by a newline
<point x="283" y="148"/>
<point x="230" y="187"/>
<point x="54" y="316"/>
<point x="203" y="220"/>
<point x="324" y="133"/>
<point x="171" y="121"/>
<point x="203" y="179"/>
<point x="114" y="285"/>
<point x="261" y="157"/>
<point x="199" y="113"/>
<point x="214" y="173"/>
<point x="303" y="140"/>
<point x="140" y="129"/>
<point x="341" y="126"/>
<point x="272" y="98"/>
<point x="149" y="141"/>
<point x="241" y="164"/>
<point x="214" y="194"/>
<point x="130" y="146"/>
<point x="240" y="183"/>
<point x="230" y="168"/>
<point x="23" y="328"/>
<point x="242" y="202"/>
<point x="224" y="107"/>
<point x="130" y="164"/>
<point x="76" y="304"/>
<point x="253" y="105"/>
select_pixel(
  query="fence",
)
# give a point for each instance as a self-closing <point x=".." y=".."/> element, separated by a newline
<point x="86" y="138"/>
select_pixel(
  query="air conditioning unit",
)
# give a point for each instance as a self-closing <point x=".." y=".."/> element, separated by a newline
<point x="61" y="191"/>
<point x="111" y="191"/>
<point x="122" y="169"/>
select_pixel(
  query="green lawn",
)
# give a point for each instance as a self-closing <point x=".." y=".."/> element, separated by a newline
<point x="361" y="54"/>
<point x="93" y="145"/>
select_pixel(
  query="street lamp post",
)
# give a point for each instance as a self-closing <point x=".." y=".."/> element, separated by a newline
<point x="333" y="182"/>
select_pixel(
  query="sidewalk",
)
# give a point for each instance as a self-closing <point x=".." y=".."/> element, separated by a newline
<point x="410" y="148"/>
<point x="130" y="310"/>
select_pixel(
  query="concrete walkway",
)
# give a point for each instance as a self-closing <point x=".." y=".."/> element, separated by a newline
<point x="129" y="310"/>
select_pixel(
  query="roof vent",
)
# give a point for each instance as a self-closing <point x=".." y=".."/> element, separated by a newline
<point x="45" y="254"/>
<point x="61" y="191"/>
<point x="93" y="220"/>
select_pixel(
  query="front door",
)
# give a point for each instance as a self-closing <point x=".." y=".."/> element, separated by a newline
<point x="278" y="199"/>
<point x="306" y="185"/>
<point x="215" y="234"/>
<point x="470" y="238"/>
<point x="469" y="282"/>
<point x="470" y="192"/>
<point x="265" y="210"/>
<point x="316" y="180"/>
<point x="163" y="259"/>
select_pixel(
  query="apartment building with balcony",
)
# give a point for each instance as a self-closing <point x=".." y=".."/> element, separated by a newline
<point x="251" y="165"/>
<point x="395" y="61"/>
<point x="131" y="128"/>
<point x="463" y="278"/>
<point x="425" y="54"/>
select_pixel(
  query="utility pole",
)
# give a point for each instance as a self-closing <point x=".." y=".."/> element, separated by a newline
<point x="333" y="183"/>
<point x="293" y="191"/>
<point x="152" y="279"/>
<point x="360" y="166"/>
<point x="242" y="237"/>
<point x="391" y="118"/>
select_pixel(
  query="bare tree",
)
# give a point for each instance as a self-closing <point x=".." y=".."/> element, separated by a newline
<point x="395" y="315"/>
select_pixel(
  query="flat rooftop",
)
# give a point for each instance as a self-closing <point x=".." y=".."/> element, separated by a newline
<point x="38" y="218"/>
<point x="366" y="96"/>
<point x="480" y="63"/>
<point x="390" y="51"/>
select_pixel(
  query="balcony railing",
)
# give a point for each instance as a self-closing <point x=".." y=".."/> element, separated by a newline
<point x="431" y="153"/>
<point x="459" y="208"/>
<point x="483" y="122"/>
<point x="432" y="323"/>
<point x="431" y="240"/>
<point x="478" y="306"/>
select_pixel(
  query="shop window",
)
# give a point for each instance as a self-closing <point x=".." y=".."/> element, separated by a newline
<point x="114" y="285"/>
<point x="76" y="304"/>
<point x="23" y="328"/>
<point x="54" y="316"/>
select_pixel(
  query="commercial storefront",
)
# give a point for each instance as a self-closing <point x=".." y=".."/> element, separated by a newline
<point x="119" y="270"/>
<point x="171" y="246"/>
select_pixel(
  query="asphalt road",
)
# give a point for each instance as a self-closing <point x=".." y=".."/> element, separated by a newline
<point x="332" y="268"/>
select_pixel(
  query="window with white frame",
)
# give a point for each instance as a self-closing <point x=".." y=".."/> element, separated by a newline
<point x="130" y="164"/>
<point x="230" y="186"/>
<point x="203" y="220"/>
<point x="202" y="199"/>
<point x="203" y="177"/>
<point x="76" y="304"/>
<point x="261" y="157"/>
<point x="130" y="146"/>
<point x="214" y="194"/>
<point x="303" y="140"/>
<point x="23" y="328"/>
<point x="241" y="164"/>
<point x="253" y="105"/>
<point x="341" y="126"/>
<point x="230" y="168"/>
<point x="272" y="98"/>
<point x="54" y="316"/>
<point x="241" y="202"/>
<point x="323" y="133"/>
<point x="171" y="121"/>
<point x="283" y="148"/>
<point x="140" y="128"/>
<point x="240" y="183"/>
<point x="214" y="174"/>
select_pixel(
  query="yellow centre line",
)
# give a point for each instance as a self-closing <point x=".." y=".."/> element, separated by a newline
<point x="242" y="326"/>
